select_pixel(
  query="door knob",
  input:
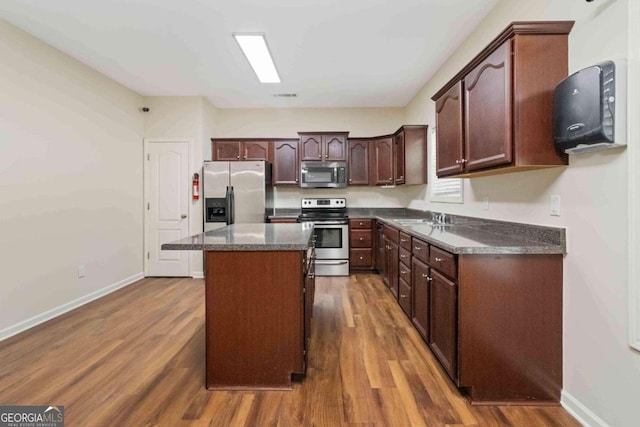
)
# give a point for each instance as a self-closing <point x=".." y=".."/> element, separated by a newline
<point x="183" y="216"/>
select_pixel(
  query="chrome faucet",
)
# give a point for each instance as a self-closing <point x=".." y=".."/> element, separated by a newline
<point x="440" y="218"/>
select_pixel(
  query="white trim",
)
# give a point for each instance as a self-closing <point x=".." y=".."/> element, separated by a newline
<point x="146" y="143"/>
<point x="64" y="308"/>
<point x="579" y="411"/>
<point x="197" y="274"/>
<point x="633" y="152"/>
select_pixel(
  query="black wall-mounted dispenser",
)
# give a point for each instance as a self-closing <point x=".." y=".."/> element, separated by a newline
<point x="589" y="109"/>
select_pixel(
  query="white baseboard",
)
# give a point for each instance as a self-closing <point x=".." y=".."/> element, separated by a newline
<point x="197" y="274"/>
<point x="580" y="412"/>
<point x="55" y="312"/>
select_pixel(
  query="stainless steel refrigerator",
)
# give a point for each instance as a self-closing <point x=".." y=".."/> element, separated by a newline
<point x="236" y="192"/>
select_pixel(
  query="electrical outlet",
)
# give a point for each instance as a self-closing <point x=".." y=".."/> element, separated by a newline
<point x="485" y="203"/>
<point x="554" y="205"/>
<point x="80" y="271"/>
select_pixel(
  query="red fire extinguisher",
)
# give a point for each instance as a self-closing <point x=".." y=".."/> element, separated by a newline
<point x="196" y="186"/>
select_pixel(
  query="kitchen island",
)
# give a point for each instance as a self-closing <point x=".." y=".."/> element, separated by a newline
<point x="259" y="282"/>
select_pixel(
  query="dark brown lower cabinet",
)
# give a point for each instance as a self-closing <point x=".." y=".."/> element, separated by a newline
<point x="443" y="320"/>
<point x="420" y="283"/>
<point x="494" y="322"/>
<point x="380" y="249"/>
<point x="255" y="323"/>
<point x="404" y="297"/>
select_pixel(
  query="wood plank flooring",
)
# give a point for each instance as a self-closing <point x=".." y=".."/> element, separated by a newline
<point x="136" y="358"/>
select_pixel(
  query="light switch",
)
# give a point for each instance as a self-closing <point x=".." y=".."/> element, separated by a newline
<point x="485" y="203"/>
<point x="554" y="205"/>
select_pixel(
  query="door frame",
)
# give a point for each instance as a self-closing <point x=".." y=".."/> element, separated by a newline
<point x="633" y="152"/>
<point x="146" y="179"/>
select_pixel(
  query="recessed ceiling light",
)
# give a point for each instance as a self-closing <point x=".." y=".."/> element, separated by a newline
<point x="255" y="49"/>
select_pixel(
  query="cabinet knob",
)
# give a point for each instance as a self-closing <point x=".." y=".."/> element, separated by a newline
<point x="319" y="156"/>
<point x="417" y="248"/>
<point x="238" y="157"/>
<point x="350" y="180"/>
<point x="425" y="275"/>
<point x="403" y="296"/>
<point x="361" y="258"/>
<point x="403" y="240"/>
<point x="429" y="279"/>
<point x="458" y="162"/>
<point x="361" y="239"/>
<point x="403" y="272"/>
<point x="403" y="256"/>
<point x="326" y="156"/>
<point x="390" y="179"/>
<point x="360" y="223"/>
<point x="438" y="259"/>
<point x="401" y="176"/>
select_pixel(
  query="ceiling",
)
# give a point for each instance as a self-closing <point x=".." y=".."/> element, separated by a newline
<point x="331" y="53"/>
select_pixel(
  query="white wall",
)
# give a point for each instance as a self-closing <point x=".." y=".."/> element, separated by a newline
<point x="601" y="372"/>
<point x="70" y="181"/>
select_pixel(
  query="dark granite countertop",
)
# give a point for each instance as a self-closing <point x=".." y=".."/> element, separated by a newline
<point x="248" y="237"/>
<point x="468" y="235"/>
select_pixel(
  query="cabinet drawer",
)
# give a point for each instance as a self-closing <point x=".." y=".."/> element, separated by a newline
<point x="404" y="256"/>
<point x="391" y="233"/>
<point x="361" y="223"/>
<point x="420" y="250"/>
<point x="361" y="257"/>
<point x="361" y="238"/>
<point x="404" y="297"/>
<point x="443" y="261"/>
<point x="404" y="272"/>
<point x="405" y="241"/>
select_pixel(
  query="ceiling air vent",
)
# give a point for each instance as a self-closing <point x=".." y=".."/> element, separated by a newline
<point x="285" y="95"/>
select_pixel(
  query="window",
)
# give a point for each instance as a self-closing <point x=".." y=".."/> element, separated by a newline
<point x="448" y="190"/>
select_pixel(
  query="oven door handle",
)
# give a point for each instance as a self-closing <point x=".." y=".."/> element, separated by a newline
<point x="321" y="262"/>
<point x="321" y="223"/>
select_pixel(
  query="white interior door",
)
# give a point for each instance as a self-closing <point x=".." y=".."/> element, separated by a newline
<point x="167" y="206"/>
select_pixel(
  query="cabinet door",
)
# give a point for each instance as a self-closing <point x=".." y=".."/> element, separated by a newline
<point x="443" y="333"/>
<point x="256" y="150"/>
<point x="399" y="158"/>
<point x="420" y="283"/>
<point x="311" y="147"/>
<point x="488" y="112"/>
<point x="358" y="162"/>
<point x="404" y="297"/>
<point x="334" y="147"/>
<point x="449" y="140"/>
<point x="380" y="250"/>
<point x="285" y="163"/>
<point x="392" y="267"/>
<point x="382" y="162"/>
<point x="226" y="150"/>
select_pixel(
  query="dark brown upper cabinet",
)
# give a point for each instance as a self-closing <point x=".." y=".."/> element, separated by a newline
<point x="495" y="115"/>
<point x="399" y="170"/>
<point x="382" y="161"/>
<point x="325" y="146"/>
<point x="235" y="149"/>
<point x="358" y="162"/>
<point x="286" y="164"/>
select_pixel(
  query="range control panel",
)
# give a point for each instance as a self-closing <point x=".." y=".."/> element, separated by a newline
<point x="324" y="203"/>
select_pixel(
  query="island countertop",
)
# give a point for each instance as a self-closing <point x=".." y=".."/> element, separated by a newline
<point x="248" y="237"/>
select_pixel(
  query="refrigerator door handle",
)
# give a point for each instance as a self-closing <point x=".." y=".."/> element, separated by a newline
<point x="231" y="208"/>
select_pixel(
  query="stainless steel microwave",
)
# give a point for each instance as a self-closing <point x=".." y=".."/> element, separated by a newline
<point x="314" y="174"/>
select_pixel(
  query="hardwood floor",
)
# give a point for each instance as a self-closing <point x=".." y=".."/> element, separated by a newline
<point x="136" y="357"/>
